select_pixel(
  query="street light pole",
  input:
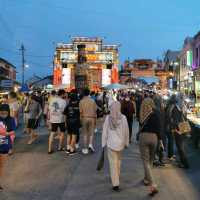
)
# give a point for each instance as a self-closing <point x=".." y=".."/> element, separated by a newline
<point x="22" y="49"/>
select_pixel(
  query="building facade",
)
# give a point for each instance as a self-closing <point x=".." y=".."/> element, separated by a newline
<point x="85" y="62"/>
<point x="7" y="76"/>
<point x="171" y="66"/>
<point x="7" y="70"/>
<point x="185" y="66"/>
<point x="143" y="68"/>
<point x="196" y="64"/>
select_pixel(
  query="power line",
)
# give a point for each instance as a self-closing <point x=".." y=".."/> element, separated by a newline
<point x="9" y="50"/>
<point x="28" y="55"/>
<point x="37" y="56"/>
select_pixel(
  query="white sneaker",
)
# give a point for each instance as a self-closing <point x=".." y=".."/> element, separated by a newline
<point x="85" y="151"/>
<point x="77" y="146"/>
<point x="91" y="148"/>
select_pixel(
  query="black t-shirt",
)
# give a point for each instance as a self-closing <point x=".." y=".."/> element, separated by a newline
<point x="72" y="111"/>
<point x="153" y="124"/>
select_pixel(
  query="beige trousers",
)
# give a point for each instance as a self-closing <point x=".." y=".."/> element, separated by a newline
<point x="114" y="158"/>
<point x="88" y="127"/>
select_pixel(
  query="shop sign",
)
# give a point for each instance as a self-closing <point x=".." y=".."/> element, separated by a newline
<point x="68" y="56"/>
<point x="189" y="58"/>
<point x="7" y="83"/>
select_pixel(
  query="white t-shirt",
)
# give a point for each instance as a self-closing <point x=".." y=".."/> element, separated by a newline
<point x="56" y="108"/>
<point x="14" y="107"/>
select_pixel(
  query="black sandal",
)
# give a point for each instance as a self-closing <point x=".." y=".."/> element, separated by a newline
<point x="50" y="152"/>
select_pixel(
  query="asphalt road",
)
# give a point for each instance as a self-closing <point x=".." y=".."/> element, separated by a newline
<point x="32" y="174"/>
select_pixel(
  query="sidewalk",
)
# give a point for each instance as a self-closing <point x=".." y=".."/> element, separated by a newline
<point x="32" y="174"/>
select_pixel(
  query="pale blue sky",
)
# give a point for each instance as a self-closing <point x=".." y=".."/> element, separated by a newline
<point x="144" y="28"/>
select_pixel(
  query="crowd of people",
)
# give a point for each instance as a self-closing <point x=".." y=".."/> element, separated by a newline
<point x="74" y="113"/>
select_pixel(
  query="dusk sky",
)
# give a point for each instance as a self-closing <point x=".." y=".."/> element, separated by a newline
<point x="144" y="28"/>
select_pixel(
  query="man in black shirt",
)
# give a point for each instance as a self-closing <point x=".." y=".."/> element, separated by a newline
<point x="73" y="123"/>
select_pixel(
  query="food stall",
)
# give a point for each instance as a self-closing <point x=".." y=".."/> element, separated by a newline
<point x="193" y="116"/>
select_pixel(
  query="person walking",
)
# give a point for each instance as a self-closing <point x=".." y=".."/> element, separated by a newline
<point x="115" y="137"/>
<point x="14" y="107"/>
<point x="25" y="105"/>
<point x="72" y="114"/>
<point x="57" y="106"/>
<point x="88" y="116"/>
<point x="128" y="110"/>
<point x="160" y="108"/>
<point x="148" y="140"/>
<point x="170" y="136"/>
<point x="34" y="112"/>
<point x="176" y="116"/>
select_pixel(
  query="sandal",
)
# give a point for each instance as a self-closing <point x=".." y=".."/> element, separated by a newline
<point x="153" y="191"/>
<point x="145" y="182"/>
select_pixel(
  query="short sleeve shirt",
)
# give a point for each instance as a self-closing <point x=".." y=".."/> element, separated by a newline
<point x="56" y="110"/>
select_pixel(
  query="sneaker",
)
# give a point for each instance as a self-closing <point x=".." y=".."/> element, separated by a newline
<point x="145" y="182"/>
<point x="72" y="153"/>
<point x="85" y="151"/>
<point x="173" y="158"/>
<point x="77" y="146"/>
<point x="61" y="149"/>
<point x="116" y="189"/>
<point x="91" y="148"/>
<point x="67" y="151"/>
<point x="50" y="152"/>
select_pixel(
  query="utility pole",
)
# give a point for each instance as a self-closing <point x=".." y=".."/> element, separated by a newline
<point x="22" y="49"/>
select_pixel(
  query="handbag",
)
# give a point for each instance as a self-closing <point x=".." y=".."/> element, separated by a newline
<point x="184" y="127"/>
<point x="5" y="144"/>
<point x="101" y="161"/>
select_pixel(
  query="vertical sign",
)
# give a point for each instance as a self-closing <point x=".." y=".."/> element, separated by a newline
<point x="189" y="58"/>
<point x="66" y="76"/>
<point x="106" y="77"/>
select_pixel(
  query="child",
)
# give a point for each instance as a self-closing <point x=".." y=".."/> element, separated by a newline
<point x="6" y="129"/>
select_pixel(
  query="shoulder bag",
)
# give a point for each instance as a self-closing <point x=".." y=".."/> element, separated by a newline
<point x="184" y="127"/>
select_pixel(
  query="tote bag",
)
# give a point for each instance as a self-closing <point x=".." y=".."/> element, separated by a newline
<point x="5" y="144"/>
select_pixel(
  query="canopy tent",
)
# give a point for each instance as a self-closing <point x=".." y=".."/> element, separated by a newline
<point x="149" y="80"/>
<point x="116" y="86"/>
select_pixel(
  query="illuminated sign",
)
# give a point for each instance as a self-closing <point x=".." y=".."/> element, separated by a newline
<point x="91" y="57"/>
<point x="189" y="58"/>
<point x="68" y="56"/>
<point x="115" y="75"/>
<point x="105" y="56"/>
<point x="91" y="47"/>
<point x="66" y="76"/>
<point x="106" y="77"/>
<point x="57" y="76"/>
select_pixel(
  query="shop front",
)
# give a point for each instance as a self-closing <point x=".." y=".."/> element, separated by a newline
<point x="197" y="84"/>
